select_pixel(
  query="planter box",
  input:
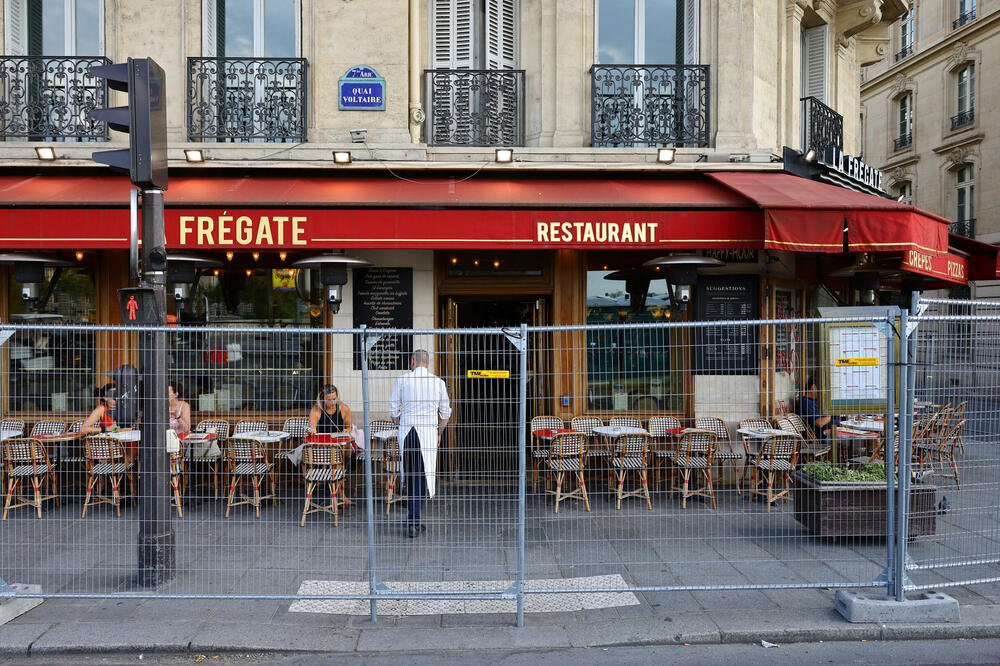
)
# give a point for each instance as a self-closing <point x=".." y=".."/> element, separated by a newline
<point x="857" y="508"/>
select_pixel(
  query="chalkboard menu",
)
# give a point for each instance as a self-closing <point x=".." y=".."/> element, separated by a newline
<point x="383" y="298"/>
<point x="725" y="350"/>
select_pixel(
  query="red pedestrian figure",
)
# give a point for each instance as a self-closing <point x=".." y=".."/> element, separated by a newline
<point x="131" y="306"/>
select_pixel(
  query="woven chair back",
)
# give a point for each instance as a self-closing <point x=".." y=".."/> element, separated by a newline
<point x="74" y="427"/>
<point x="100" y="448"/>
<point x="12" y="424"/>
<point x="48" y="428"/>
<point x="585" y="424"/>
<point x="778" y="447"/>
<point x="784" y="423"/>
<point x="755" y="422"/>
<point x="714" y="424"/>
<point x="249" y="426"/>
<point x="568" y="445"/>
<point x="546" y="423"/>
<point x="659" y="425"/>
<point x="381" y="425"/>
<point x="323" y="455"/>
<point x="245" y="449"/>
<point x="625" y="422"/>
<point x="22" y="450"/>
<point x="220" y="426"/>
<point x="297" y="426"/>
<point x="696" y="442"/>
<point x="631" y="445"/>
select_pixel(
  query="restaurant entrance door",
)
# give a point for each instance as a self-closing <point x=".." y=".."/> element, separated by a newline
<point x="485" y="410"/>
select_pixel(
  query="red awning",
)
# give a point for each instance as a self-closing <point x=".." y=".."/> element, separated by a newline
<point x="808" y="216"/>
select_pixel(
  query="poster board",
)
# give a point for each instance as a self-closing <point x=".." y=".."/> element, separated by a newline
<point x="856" y="365"/>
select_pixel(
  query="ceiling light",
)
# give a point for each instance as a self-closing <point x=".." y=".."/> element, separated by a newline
<point x="45" y="153"/>
<point x="665" y="155"/>
<point x="194" y="156"/>
<point x="255" y="255"/>
<point x="454" y="260"/>
<point x="229" y="255"/>
<point x="496" y="264"/>
<point x="215" y="272"/>
<point x="249" y="272"/>
<point x="341" y="157"/>
<point x="282" y="255"/>
<point x="504" y="155"/>
<point x="79" y="255"/>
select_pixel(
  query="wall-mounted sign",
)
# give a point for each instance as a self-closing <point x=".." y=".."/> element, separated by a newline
<point x="383" y="298"/>
<point x="852" y="168"/>
<point x="361" y="89"/>
<point x="730" y="349"/>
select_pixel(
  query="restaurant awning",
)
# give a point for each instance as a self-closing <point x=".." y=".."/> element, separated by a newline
<point x="806" y="216"/>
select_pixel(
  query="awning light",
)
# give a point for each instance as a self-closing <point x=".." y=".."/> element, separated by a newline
<point x="45" y="153"/>
<point x="665" y="155"/>
<point x="194" y="156"/>
<point x="504" y="155"/>
<point x="341" y="157"/>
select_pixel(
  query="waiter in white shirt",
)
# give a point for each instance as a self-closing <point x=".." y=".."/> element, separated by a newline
<point x="419" y="404"/>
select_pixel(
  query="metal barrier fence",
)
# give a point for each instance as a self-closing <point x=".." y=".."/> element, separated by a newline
<point x="543" y="497"/>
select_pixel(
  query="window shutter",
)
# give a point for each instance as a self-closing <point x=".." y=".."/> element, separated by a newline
<point x="814" y="62"/>
<point x="501" y="34"/>
<point x="691" y="31"/>
<point x="15" y="33"/>
<point x="454" y="48"/>
<point x="209" y="43"/>
<point x="453" y="38"/>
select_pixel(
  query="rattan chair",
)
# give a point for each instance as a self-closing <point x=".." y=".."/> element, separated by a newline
<point x="960" y="416"/>
<point x="25" y="458"/>
<point x="247" y="462"/>
<point x="244" y="427"/>
<point x="221" y="429"/>
<point x="661" y="440"/>
<point x="106" y="466"/>
<point x="625" y="422"/>
<point x="176" y="481"/>
<point x="388" y="452"/>
<point x="540" y="452"/>
<point x="586" y="425"/>
<point x="941" y="451"/>
<point x="695" y="452"/>
<point x="48" y="428"/>
<point x="297" y="428"/>
<point x="776" y="460"/>
<point x="724" y="451"/>
<point x="630" y="455"/>
<point x="812" y="448"/>
<point x="748" y="454"/>
<point x="323" y="467"/>
<point x="568" y="455"/>
<point x="12" y="425"/>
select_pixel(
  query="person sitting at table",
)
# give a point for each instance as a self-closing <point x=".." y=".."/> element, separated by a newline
<point x="101" y="420"/>
<point x="329" y="415"/>
<point x="180" y="410"/>
<point x="809" y="411"/>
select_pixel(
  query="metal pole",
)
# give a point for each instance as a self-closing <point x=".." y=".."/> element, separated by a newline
<point x="522" y="472"/>
<point x="889" y="434"/>
<point x="370" y="498"/>
<point x="156" y="534"/>
<point x="905" y="447"/>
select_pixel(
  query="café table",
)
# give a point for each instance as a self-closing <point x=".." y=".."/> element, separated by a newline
<point x="850" y="433"/>
<point x="62" y="448"/>
<point x="866" y="425"/>
<point x="7" y="434"/>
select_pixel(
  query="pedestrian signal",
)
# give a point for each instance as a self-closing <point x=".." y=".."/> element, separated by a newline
<point x="139" y="307"/>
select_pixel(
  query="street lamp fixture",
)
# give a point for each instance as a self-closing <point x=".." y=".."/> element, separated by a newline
<point x="682" y="274"/>
<point x="333" y="273"/>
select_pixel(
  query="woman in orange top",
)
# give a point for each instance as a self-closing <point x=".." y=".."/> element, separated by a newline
<point x="101" y="419"/>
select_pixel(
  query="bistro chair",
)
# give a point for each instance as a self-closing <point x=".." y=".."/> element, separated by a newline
<point x="323" y="466"/>
<point x="247" y="462"/>
<point x="812" y="448"/>
<point x="388" y="452"/>
<point x="221" y="429"/>
<point x="695" y="452"/>
<point x="244" y="427"/>
<point x="176" y="480"/>
<point x="775" y="462"/>
<point x="940" y="451"/>
<point x="629" y="455"/>
<point x="959" y="415"/>
<point x="11" y="425"/>
<point x="568" y="455"/>
<point x="586" y="425"/>
<point x="540" y="453"/>
<point x="625" y="422"/>
<point x="297" y="428"/>
<point x="725" y="453"/>
<point x="748" y="453"/>
<point x="43" y="428"/>
<point x="662" y="440"/>
<point x="106" y="466"/>
<point x="25" y="458"/>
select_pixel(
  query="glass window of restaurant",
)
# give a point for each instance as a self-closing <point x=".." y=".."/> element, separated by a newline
<point x="631" y="370"/>
<point x="245" y="369"/>
<point x="52" y="370"/>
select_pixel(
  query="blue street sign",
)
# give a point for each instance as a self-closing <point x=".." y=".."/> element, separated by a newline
<point x="361" y="89"/>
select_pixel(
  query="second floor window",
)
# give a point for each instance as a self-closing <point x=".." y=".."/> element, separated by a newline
<point x="475" y="34"/>
<point x="647" y="32"/>
<point x="814" y="62"/>
<point x="904" y="129"/>
<point x="965" y="189"/>
<point x="907" y="34"/>
<point x="54" y="27"/>
<point x="966" y="12"/>
<point x="904" y="192"/>
<point x="251" y="28"/>
<point x="966" y="89"/>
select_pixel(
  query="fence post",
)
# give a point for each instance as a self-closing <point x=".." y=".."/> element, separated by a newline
<point x="369" y="495"/>
<point x="889" y="433"/>
<point x="521" y="471"/>
<point x="908" y="381"/>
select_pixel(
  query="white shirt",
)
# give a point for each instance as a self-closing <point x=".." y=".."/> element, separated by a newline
<point x="419" y="399"/>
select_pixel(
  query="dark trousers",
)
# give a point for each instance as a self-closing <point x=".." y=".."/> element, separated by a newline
<point x="416" y="482"/>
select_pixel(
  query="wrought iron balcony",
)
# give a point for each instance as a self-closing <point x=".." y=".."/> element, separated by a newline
<point x="474" y="107"/>
<point x="962" y="19"/>
<point x="904" y="52"/>
<point x="649" y="105"/>
<point x="965" y="228"/>
<point x="903" y="142"/>
<point x="246" y="99"/>
<point x="50" y="97"/>
<point x="821" y="126"/>
<point x="963" y="119"/>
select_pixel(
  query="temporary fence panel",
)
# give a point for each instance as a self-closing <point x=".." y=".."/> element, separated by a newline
<point x="957" y="373"/>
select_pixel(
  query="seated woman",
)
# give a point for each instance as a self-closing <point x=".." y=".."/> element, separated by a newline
<point x="101" y="420"/>
<point x="180" y="410"/>
<point x="329" y="415"/>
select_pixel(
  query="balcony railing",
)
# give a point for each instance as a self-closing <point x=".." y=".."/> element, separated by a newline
<point x="246" y="99"/>
<point x="964" y="18"/>
<point x="903" y="142"/>
<point x="904" y="52"/>
<point x="965" y="228"/>
<point x="475" y="107"/>
<point x="649" y="105"/>
<point x="44" y="98"/>
<point x="821" y="126"/>
<point x="963" y="119"/>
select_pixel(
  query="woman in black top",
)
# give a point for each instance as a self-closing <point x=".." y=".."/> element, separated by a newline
<point x="329" y="415"/>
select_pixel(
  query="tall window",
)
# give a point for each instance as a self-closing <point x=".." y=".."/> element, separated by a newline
<point x="641" y="32"/>
<point x="966" y="13"/>
<point x="904" y="192"/>
<point x="907" y="34"/>
<point x="904" y="129"/>
<point x="965" y="189"/>
<point x="814" y="59"/>
<point x="476" y="34"/>
<point x="967" y="89"/>
<point x="251" y="28"/>
<point x="54" y="27"/>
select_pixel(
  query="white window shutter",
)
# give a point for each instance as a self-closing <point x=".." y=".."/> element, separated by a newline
<point x="15" y="27"/>
<point x="692" y="25"/>
<point x="209" y="44"/>
<point x="501" y="34"/>
<point x="453" y="41"/>
<point x="814" y="48"/>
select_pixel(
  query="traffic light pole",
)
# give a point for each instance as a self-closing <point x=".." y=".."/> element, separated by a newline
<point x="156" y="534"/>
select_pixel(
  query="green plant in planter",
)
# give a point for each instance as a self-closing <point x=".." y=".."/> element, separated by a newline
<point x="824" y="471"/>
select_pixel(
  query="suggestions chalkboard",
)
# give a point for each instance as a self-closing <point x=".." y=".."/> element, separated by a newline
<point x="726" y="350"/>
<point x="383" y="298"/>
